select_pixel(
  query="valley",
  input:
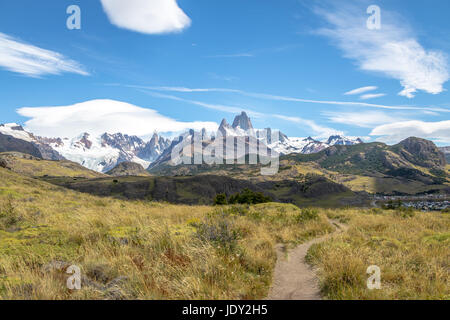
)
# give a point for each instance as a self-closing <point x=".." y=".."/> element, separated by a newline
<point x="158" y="232"/>
<point x="142" y="249"/>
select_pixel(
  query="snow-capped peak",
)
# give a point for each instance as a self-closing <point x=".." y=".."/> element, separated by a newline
<point x="242" y="121"/>
<point x="310" y="145"/>
<point x="242" y="126"/>
<point x="16" y="131"/>
<point x="340" y="140"/>
<point x="102" y="153"/>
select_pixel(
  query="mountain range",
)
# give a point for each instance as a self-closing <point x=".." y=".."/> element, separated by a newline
<point x="337" y="171"/>
<point x="104" y="152"/>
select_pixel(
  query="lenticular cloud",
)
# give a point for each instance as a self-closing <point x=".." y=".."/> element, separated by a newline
<point x="147" y="16"/>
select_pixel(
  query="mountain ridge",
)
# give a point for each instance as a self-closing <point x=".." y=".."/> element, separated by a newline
<point x="104" y="152"/>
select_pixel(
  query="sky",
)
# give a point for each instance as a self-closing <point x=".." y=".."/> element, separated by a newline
<point x="309" y="68"/>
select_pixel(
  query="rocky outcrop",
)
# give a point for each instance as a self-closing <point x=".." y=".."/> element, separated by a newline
<point x="128" y="169"/>
<point x="154" y="148"/>
<point x="421" y="152"/>
<point x="9" y="143"/>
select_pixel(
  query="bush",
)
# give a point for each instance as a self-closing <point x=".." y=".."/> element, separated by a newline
<point x="375" y="211"/>
<point x="248" y="196"/>
<point x="405" y="212"/>
<point x="220" y="232"/>
<point x="392" y="205"/>
<point x="3" y="163"/>
<point x="306" y="215"/>
<point x="220" y="199"/>
<point x="8" y="215"/>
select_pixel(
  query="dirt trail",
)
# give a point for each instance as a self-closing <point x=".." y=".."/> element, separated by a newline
<point x="294" y="279"/>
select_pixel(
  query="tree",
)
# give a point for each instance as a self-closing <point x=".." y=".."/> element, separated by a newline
<point x="248" y="196"/>
<point x="220" y="199"/>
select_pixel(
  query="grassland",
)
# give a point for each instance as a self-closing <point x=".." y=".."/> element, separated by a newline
<point x="411" y="248"/>
<point x="147" y="250"/>
<point x="34" y="167"/>
<point x="150" y="250"/>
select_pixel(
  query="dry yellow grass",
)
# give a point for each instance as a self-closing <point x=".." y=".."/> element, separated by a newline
<point x="198" y="252"/>
<point x="411" y="249"/>
<point x="164" y="251"/>
<point x="27" y="165"/>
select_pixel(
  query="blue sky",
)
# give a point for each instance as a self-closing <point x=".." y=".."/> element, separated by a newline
<point x="291" y="64"/>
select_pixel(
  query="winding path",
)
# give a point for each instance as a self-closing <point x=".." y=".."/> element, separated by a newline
<point x="294" y="278"/>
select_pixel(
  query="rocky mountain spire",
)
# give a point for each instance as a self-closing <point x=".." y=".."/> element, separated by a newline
<point x="242" y="121"/>
<point x="224" y="127"/>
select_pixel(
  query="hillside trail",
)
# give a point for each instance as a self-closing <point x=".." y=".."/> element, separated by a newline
<point x="294" y="278"/>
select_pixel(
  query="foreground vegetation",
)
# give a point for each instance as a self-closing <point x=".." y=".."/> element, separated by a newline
<point x="139" y="249"/>
<point x="149" y="250"/>
<point x="410" y="247"/>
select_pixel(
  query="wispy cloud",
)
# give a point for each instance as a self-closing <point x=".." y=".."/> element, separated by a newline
<point x="392" y="51"/>
<point x="222" y="77"/>
<point x="371" y="96"/>
<point x="362" y="119"/>
<point x="288" y="99"/>
<point x="179" y="89"/>
<point x="394" y="132"/>
<point x="217" y="107"/>
<point x="255" y="52"/>
<point x="20" y="57"/>
<point x="318" y="130"/>
<point x="360" y="90"/>
<point x="147" y="16"/>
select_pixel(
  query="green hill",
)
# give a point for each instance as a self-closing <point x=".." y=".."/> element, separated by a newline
<point x="413" y="166"/>
<point x="36" y="167"/>
<point x="201" y="189"/>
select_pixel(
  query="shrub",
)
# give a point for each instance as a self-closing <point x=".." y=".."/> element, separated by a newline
<point x="375" y="211"/>
<point x="233" y="210"/>
<point x="220" y="199"/>
<point x="3" y="163"/>
<point x="306" y="215"/>
<point x="405" y="212"/>
<point x="220" y="232"/>
<point x="248" y="196"/>
<point x="8" y="214"/>
<point x="392" y="205"/>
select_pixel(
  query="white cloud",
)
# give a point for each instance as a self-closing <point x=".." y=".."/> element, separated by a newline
<point x="217" y="107"/>
<point x="362" y="119"/>
<point x="318" y="130"/>
<point x="100" y="116"/>
<point x="288" y="99"/>
<point x="20" y="57"/>
<point x="360" y="90"/>
<point x="395" y="132"/>
<point x="147" y="16"/>
<point x="392" y="51"/>
<point x="371" y="96"/>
